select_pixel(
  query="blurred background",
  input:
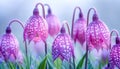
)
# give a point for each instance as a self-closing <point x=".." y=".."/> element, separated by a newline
<point x="108" y="11"/>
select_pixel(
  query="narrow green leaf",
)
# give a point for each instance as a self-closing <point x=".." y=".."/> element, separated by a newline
<point x="90" y="65"/>
<point x="11" y="65"/>
<point x="100" y="67"/>
<point x="50" y="65"/>
<point x="20" y="66"/>
<point x="42" y="65"/>
<point x="27" y="62"/>
<point x="80" y="64"/>
<point x="58" y="63"/>
<point x="50" y="61"/>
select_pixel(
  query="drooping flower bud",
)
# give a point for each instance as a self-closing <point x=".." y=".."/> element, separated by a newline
<point x="53" y="23"/>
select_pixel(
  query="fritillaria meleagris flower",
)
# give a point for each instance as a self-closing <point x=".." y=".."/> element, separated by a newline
<point x="97" y="34"/>
<point x="36" y="28"/>
<point x="79" y="28"/>
<point x="9" y="45"/>
<point x="53" y="23"/>
<point x="115" y="53"/>
<point x="62" y="46"/>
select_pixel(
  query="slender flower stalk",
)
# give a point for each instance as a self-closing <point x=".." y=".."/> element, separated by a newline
<point x="116" y="32"/>
<point x="43" y="9"/>
<point x="49" y="8"/>
<point x="86" y="43"/>
<point x="68" y="28"/>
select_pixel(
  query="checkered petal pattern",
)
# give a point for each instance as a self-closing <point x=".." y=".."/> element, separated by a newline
<point x="36" y="29"/>
<point x="115" y="55"/>
<point x="9" y="46"/>
<point x="97" y="35"/>
<point x="79" y="30"/>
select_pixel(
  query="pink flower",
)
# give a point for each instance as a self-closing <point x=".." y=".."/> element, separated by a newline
<point x="53" y="23"/>
<point x="9" y="45"/>
<point x="97" y="34"/>
<point x="36" y="28"/>
<point x="62" y="46"/>
<point x="79" y="30"/>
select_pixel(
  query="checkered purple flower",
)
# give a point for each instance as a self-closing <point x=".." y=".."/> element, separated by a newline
<point x="79" y="30"/>
<point x="97" y="34"/>
<point x="36" y="28"/>
<point x="115" y="54"/>
<point x="9" y="45"/>
<point x="62" y="46"/>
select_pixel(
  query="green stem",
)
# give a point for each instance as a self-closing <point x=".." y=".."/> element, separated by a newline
<point x="45" y="51"/>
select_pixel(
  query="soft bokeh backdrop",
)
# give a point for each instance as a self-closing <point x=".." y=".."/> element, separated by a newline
<point x="108" y="11"/>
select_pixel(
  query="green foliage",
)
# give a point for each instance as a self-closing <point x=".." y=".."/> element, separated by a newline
<point x="11" y="65"/>
<point x="80" y="64"/>
<point x="58" y="63"/>
<point x="43" y="64"/>
<point x="90" y="65"/>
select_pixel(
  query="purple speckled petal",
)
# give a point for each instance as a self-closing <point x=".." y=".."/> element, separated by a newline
<point x="62" y="47"/>
<point x="97" y="35"/>
<point x="9" y="46"/>
<point x="79" y="30"/>
<point x="53" y="24"/>
<point x="115" y="55"/>
<point x="36" y="29"/>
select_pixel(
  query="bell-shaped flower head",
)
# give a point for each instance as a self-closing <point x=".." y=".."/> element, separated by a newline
<point x="78" y="27"/>
<point x="97" y="34"/>
<point x="36" y="28"/>
<point x="115" y="52"/>
<point x="62" y="46"/>
<point x="9" y="45"/>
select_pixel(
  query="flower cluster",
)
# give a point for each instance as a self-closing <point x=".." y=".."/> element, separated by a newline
<point x="95" y="34"/>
